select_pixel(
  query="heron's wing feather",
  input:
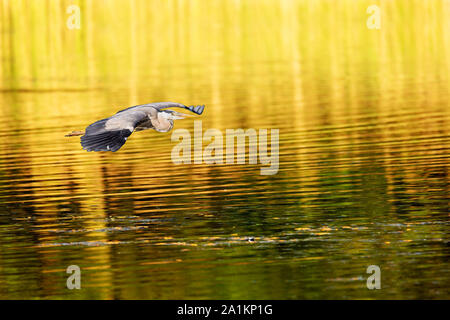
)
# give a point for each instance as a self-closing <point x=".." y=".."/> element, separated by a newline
<point x="105" y="141"/>
<point x="110" y="134"/>
<point x="196" y="109"/>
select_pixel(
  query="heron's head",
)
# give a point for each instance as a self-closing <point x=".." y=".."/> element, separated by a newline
<point x="173" y="115"/>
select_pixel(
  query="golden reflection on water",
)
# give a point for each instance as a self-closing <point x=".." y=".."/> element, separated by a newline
<point x="364" y="140"/>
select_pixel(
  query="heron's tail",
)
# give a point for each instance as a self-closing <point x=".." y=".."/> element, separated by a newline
<point x="74" y="134"/>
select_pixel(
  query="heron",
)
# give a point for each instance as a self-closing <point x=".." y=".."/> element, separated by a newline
<point x="110" y="134"/>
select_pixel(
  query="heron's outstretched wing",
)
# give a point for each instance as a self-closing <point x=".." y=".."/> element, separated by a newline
<point x="165" y="105"/>
<point x="110" y="134"/>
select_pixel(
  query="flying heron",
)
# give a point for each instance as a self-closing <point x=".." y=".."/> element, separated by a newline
<point x="110" y="134"/>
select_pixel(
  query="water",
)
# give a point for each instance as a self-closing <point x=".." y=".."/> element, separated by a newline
<point x="363" y="179"/>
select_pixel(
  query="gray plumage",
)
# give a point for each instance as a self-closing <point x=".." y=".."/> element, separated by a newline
<point x="110" y="134"/>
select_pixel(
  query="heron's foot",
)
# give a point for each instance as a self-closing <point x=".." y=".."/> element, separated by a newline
<point x="74" y="133"/>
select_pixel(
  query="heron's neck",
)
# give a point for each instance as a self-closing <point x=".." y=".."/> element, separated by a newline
<point x="164" y="124"/>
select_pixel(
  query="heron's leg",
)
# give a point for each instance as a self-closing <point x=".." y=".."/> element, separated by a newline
<point x="75" y="133"/>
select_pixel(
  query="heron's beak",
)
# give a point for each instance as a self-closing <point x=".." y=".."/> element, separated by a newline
<point x="178" y="115"/>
